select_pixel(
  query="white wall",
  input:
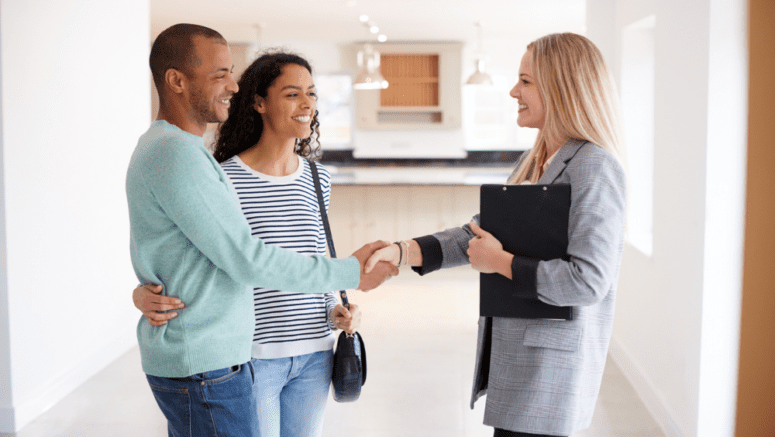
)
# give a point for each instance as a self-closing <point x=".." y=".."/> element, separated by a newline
<point x="678" y="309"/>
<point x="75" y="98"/>
<point x="725" y="206"/>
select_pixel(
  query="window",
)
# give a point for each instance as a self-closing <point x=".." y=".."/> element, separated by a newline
<point x="638" y="111"/>
<point x="334" y="110"/>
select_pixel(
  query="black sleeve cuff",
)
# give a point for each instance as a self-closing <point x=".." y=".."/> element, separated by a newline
<point x="524" y="271"/>
<point x="431" y="254"/>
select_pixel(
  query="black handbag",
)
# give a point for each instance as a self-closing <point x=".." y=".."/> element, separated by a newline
<point x="350" y="353"/>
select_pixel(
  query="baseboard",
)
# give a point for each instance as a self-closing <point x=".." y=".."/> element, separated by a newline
<point x="648" y="394"/>
<point x="64" y="384"/>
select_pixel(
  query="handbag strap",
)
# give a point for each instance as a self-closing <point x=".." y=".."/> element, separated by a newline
<point x="322" y="206"/>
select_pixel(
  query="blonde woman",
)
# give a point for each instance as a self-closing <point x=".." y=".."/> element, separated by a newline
<point x="542" y="377"/>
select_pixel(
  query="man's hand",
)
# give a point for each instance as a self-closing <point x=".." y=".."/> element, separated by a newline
<point x="148" y="299"/>
<point x="381" y="272"/>
<point x="348" y="321"/>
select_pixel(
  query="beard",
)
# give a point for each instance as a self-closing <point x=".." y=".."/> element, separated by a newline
<point x="202" y="107"/>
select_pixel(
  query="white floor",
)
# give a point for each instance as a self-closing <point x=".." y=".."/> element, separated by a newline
<point x="420" y="334"/>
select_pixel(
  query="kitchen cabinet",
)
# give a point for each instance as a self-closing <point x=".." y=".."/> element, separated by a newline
<point x="424" y="92"/>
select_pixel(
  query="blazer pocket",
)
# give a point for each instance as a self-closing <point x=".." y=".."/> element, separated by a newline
<point x="553" y="337"/>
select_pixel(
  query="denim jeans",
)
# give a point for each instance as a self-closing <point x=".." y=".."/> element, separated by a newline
<point x="291" y="394"/>
<point x="506" y="433"/>
<point x="215" y="403"/>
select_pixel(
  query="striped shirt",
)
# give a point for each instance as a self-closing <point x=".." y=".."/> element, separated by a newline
<point x="283" y="211"/>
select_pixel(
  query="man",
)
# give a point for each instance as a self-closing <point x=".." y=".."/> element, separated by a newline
<point x="189" y="234"/>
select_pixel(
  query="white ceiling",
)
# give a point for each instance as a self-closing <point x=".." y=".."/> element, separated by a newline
<point x="337" y="20"/>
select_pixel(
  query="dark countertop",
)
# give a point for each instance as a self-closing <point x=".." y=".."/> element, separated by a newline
<point x="496" y="158"/>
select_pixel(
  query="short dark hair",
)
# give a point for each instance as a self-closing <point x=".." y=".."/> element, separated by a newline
<point x="244" y="126"/>
<point x="174" y="48"/>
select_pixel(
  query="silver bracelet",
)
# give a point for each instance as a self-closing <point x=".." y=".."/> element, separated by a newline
<point x="407" y="252"/>
<point x="400" y="253"/>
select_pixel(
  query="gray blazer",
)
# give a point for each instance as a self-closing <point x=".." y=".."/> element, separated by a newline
<point x="543" y="376"/>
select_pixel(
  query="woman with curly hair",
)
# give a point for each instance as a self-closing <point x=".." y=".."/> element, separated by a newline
<point x="264" y="147"/>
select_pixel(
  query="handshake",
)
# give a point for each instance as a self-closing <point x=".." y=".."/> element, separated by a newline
<point x="379" y="261"/>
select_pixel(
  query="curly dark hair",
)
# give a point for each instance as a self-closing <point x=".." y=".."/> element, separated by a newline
<point x="244" y="127"/>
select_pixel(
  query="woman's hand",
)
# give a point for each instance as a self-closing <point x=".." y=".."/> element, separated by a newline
<point x="347" y="320"/>
<point x="486" y="253"/>
<point x="388" y="254"/>
<point x="147" y="298"/>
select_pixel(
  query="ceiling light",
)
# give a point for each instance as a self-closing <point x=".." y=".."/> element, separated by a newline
<point x="370" y="82"/>
<point x="480" y="77"/>
<point x="369" y="77"/>
<point x="259" y="34"/>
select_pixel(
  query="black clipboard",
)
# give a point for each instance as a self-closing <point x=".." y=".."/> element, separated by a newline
<point x="532" y="221"/>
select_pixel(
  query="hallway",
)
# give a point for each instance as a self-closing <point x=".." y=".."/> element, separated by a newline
<point x="420" y="335"/>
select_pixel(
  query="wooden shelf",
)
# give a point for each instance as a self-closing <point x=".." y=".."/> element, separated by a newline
<point x="413" y="79"/>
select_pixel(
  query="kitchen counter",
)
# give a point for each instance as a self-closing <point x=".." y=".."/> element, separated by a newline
<point x="480" y="167"/>
<point x="418" y="175"/>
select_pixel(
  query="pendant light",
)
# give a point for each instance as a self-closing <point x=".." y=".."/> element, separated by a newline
<point x="480" y="77"/>
<point x="259" y="37"/>
<point x="369" y="77"/>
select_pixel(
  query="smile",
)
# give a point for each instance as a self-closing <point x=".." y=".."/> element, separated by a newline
<point x="302" y="118"/>
<point x="521" y="107"/>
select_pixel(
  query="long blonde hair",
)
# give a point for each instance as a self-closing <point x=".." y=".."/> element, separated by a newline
<point x="579" y="96"/>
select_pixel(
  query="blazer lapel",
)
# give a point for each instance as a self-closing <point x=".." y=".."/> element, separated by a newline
<point x="564" y="155"/>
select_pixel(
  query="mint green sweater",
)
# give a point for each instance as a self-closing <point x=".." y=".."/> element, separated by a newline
<point x="189" y="234"/>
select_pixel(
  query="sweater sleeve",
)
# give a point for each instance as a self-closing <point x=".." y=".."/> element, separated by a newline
<point x="196" y="195"/>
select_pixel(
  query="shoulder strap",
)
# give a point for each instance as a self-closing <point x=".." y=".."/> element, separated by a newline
<point x="322" y="206"/>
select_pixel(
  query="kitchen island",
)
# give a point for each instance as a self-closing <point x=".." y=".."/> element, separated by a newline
<point x="389" y="199"/>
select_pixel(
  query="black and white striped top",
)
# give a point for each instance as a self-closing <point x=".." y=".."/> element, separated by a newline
<point x="283" y="211"/>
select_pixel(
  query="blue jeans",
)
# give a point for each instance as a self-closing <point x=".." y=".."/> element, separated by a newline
<point x="215" y="403"/>
<point x="291" y="394"/>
